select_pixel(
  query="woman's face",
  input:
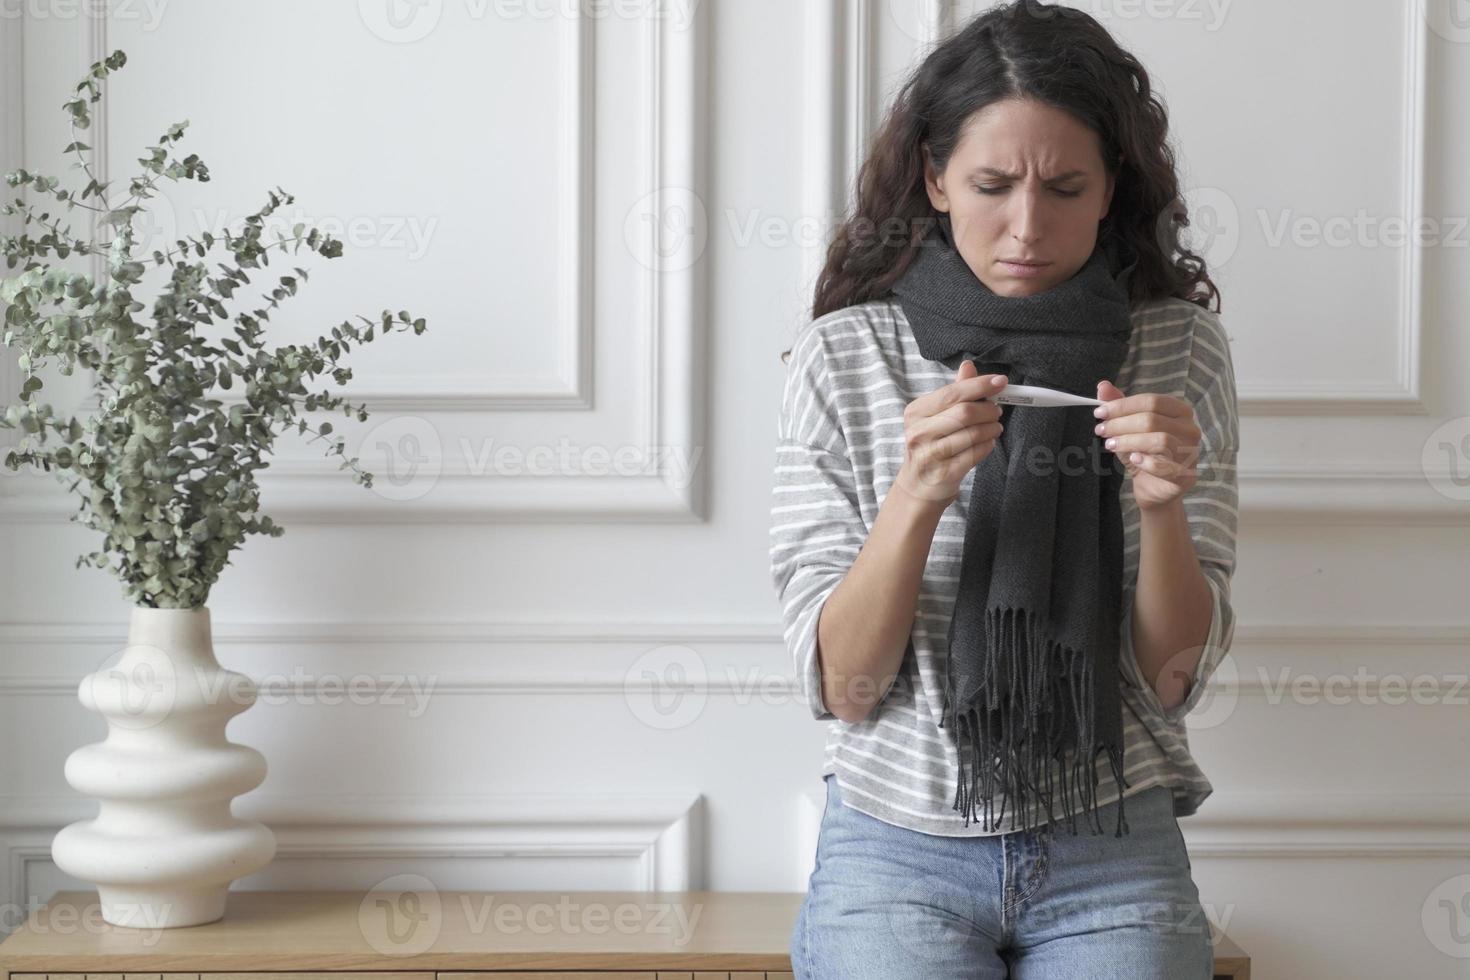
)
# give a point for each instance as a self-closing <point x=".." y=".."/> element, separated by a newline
<point x="1026" y="183"/>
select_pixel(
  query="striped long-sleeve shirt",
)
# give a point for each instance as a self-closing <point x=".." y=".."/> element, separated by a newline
<point x="840" y="442"/>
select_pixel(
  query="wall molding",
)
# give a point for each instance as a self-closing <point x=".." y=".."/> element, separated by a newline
<point x="12" y="156"/>
<point x="661" y="837"/>
<point x="1342" y="492"/>
<point x="811" y="807"/>
<point x="671" y="411"/>
<point x="1396" y="650"/>
<point x="1329" y="825"/>
<point x="291" y="496"/>
<point x="570" y="387"/>
<point x="1274" y="826"/>
<point x="837" y="117"/>
<point x="1402" y="394"/>
<point x="517" y="633"/>
<point x="1331" y="493"/>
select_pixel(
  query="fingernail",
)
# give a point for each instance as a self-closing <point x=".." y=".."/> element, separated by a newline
<point x="1000" y="379"/>
<point x="1101" y="412"/>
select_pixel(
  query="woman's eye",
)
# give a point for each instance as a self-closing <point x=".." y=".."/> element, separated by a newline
<point x="1000" y="190"/>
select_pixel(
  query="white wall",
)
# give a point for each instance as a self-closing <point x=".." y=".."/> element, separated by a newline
<point x="517" y="218"/>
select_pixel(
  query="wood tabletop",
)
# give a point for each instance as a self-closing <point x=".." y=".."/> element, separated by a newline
<point x="431" y="931"/>
<point x="344" y="930"/>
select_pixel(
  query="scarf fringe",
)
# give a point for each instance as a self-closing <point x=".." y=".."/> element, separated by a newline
<point x="1025" y="770"/>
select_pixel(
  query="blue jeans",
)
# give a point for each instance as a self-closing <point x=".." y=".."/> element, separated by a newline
<point x="892" y="903"/>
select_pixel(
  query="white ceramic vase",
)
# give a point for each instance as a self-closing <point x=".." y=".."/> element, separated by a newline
<point x="164" y="847"/>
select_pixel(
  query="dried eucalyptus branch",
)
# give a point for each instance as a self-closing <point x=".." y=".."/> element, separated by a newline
<point x="166" y="473"/>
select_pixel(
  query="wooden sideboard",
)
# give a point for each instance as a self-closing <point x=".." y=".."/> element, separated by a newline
<point x="360" y="935"/>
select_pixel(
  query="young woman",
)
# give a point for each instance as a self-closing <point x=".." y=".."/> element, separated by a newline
<point x="1005" y="611"/>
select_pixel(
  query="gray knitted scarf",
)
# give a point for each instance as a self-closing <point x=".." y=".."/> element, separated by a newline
<point x="1034" y="639"/>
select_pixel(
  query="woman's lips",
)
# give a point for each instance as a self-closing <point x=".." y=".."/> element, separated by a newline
<point x="1023" y="271"/>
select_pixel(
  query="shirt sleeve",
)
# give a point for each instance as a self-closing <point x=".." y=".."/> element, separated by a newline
<point x="817" y="528"/>
<point x="1211" y="507"/>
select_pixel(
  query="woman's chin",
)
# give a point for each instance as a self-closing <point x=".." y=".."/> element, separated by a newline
<point x="1017" y="287"/>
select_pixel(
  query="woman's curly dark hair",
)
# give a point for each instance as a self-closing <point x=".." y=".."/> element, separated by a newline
<point x="1056" y="55"/>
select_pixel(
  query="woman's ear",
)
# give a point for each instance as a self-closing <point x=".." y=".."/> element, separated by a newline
<point x="933" y="182"/>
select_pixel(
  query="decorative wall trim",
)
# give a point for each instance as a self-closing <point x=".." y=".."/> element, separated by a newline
<point x="1401" y="651"/>
<point x="12" y="156"/>
<point x="675" y="358"/>
<point x="661" y="835"/>
<point x="1401" y="394"/>
<point x="570" y="388"/>
<point x="1330" y="493"/>
<point x="861" y="75"/>
<point x="1329" y="825"/>
<point x="556" y="632"/>
<point x="19" y="850"/>
<point x="821" y="126"/>
<point x="292" y="497"/>
<point x="837" y="116"/>
<point x="671" y="411"/>
<point x="811" y="807"/>
<point x="1293" y="826"/>
<point x="1333" y="492"/>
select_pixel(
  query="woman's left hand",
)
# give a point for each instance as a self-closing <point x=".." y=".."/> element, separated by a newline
<point x="1157" y="438"/>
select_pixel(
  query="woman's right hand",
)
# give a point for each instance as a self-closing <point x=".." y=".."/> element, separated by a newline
<point x="947" y="432"/>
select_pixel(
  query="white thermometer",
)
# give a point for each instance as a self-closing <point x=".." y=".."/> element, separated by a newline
<point x="1039" y="397"/>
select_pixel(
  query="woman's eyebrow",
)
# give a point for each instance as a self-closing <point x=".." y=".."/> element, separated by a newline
<point x="993" y="172"/>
